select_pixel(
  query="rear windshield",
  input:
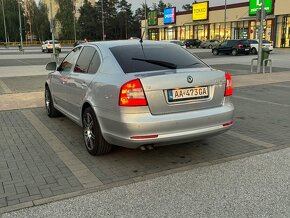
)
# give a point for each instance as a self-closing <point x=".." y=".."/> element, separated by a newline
<point x="55" y="42"/>
<point x="157" y="52"/>
<point x="266" y="41"/>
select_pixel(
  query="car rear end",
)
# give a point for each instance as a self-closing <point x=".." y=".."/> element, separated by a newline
<point x="243" y="47"/>
<point x="267" y="44"/>
<point x="56" y="44"/>
<point x="161" y="105"/>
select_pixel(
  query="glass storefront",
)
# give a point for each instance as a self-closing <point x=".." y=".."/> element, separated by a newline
<point x="200" y="32"/>
<point x="153" y="34"/>
<point x="267" y="33"/>
<point x="170" y="33"/>
<point x="234" y="30"/>
<point x="283" y="31"/>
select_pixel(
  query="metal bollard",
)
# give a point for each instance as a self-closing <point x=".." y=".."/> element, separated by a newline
<point x="252" y="61"/>
<point x="264" y="65"/>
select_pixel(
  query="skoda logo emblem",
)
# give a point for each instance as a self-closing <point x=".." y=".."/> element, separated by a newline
<point x="189" y="79"/>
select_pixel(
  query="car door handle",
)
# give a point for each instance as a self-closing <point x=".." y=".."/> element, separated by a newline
<point x="84" y="85"/>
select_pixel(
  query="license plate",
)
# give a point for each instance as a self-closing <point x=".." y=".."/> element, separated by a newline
<point x="187" y="93"/>
<point x="246" y="49"/>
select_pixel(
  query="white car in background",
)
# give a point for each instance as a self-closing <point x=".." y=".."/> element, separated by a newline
<point x="254" y="43"/>
<point x="47" y="46"/>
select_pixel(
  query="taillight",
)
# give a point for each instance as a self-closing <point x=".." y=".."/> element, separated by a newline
<point x="229" y="85"/>
<point x="240" y="46"/>
<point x="132" y="94"/>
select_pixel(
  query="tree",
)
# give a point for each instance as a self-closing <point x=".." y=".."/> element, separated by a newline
<point x="125" y="18"/>
<point x="40" y="23"/>
<point x="161" y="6"/>
<point x="12" y="20"/>
<point x="89" y="21"/>
<point x="65" y="17"/>
<point x="187" y="7"/>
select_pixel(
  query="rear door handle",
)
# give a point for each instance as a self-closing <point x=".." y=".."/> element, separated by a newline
<point x="84" y="85"/>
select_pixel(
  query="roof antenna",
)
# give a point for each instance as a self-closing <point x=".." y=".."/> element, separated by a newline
<point x="141" y="40"/>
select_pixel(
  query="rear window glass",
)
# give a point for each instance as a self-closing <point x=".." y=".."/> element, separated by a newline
<point x="244" y="42"/>
<point x="55" y="42"/>
<point x="164" y="53"/>
<point x="266" y="41"/>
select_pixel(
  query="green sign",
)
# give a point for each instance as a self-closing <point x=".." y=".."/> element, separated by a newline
<point x="257" y="4"/>
<point x="152" y="18"/>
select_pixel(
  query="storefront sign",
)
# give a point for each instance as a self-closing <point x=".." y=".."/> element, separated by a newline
<point x="200" y="11"/>
<point x="152" y="18"/>
<point x="169" y="15"/>
<point x="257" y="4"/>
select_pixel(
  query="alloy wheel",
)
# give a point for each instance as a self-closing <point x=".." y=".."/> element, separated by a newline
<point x="47" y="101"/>
<point x="89" y="131"/>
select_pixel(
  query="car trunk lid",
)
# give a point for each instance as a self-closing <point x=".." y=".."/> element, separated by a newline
<point x="183" y="90"/>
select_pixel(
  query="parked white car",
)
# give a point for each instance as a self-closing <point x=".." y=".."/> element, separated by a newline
<point x="254" y="43"/>
<point x="47" y="46"/>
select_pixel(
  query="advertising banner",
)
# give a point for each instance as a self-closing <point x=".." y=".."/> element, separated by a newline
<point x="257" y="4"/>
<point x="170" y="15"/>
<point x="152" y="18"/>
<point x="200" y="11"/>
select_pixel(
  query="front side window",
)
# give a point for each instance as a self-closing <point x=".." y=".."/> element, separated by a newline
<point x="84" y="60"/>
<point x="69" y="61"/>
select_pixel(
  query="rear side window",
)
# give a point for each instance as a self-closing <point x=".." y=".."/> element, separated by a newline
<point x="84" y="60"/>
<point x="95" y="63"/>
<point x="173" y="54"/>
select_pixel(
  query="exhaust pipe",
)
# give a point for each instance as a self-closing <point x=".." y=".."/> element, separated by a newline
<point x="146" y="147"/>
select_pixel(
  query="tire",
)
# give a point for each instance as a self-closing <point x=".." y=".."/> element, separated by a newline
<point x="42" y="50"/>
<point x="94" y="140"/>
<point x="59" y="50"/>
<point x="234" y="52"/>
<point x="51" y="111"/>
<point x="254" y="51"/>
<point x="215" y="52"/>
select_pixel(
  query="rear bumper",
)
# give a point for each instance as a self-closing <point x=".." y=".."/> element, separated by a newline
<point x="171" y="128"/>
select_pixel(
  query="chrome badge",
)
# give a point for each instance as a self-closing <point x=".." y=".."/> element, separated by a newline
<point x="189" y="79"/>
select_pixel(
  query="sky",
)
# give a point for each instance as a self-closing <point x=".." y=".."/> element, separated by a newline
<point x="178" y="3"/>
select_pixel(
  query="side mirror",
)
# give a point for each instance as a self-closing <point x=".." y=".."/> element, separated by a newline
<point x="51" y="66"/>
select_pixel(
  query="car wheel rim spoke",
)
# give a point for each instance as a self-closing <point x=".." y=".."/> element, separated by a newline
<point x="89" y="131"/>
<point x="47" y="102"/>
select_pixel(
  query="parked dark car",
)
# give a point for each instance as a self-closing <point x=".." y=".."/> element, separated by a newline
<point x="209" y="43"/>
<point x="234" y="47"/>
<point x="189" y="43"/>
<point x="78" y="42"/>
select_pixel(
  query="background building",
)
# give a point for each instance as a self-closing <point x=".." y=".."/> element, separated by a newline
<point x="210" y="23"/>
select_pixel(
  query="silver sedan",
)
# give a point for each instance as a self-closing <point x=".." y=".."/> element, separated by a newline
<point x="138" y="94"/>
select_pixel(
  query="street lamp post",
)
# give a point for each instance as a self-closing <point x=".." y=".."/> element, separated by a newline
<point x="4" y="24"/>
<point x="103" y="25"/>
<point x="74" y="8"/>
<point x="225" y="20"/>
<point x="261" y="29"/>
<point x="20" y="27"/>
<point x="52" y="35"/>
<point x="123" y="10"/>
<point x="145" y="20"/>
